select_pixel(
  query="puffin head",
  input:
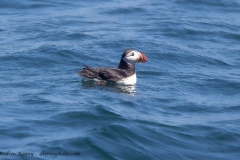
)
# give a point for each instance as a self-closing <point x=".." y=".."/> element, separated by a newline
<point x="133" y="56"/>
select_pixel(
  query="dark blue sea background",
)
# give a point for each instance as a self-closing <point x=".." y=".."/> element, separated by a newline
<point x="185" y="105"/>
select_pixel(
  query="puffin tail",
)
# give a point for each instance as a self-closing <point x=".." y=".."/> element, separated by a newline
<point x="89" y="72"/>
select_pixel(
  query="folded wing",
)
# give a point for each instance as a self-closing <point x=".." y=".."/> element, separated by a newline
<point x="107" y="74"/>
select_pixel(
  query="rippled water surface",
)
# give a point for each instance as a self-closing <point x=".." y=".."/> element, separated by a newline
<point x="185" y="104"/>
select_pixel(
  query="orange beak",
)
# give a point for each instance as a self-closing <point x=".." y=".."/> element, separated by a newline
<point x="142" y="58"/>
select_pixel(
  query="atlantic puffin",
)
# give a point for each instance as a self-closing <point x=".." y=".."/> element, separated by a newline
<point x="125" y="73"/>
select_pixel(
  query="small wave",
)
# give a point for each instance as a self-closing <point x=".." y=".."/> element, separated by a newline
<point x="62" y="35"/>
<point x="193" y="59"/>
<point x="127" y="135"/>
<point x="229" y="35"/>
<point x="17" y="132"/>
<point x="100" y="115"/>
<point x="8" y="4"/>
<point x="83" y="115"/>
<point x="233" y="109"/>
<point x="21" y="5"/>
<point x="78" y="36"/>
<point x="221" y="4"/>
<point x="225" y="86"/>
<point x="128" y="10"/>
<point x="27" y="61"/>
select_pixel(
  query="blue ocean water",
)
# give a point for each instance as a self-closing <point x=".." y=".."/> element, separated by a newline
<point x="185" y="104"/>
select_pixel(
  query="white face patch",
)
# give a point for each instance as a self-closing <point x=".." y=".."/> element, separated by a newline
<point x="132" y="57"/>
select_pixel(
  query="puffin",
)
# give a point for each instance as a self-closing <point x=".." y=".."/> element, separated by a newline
<point x="124" y="74"/>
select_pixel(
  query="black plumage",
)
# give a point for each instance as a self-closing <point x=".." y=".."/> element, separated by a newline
<point x="110" y="74"/>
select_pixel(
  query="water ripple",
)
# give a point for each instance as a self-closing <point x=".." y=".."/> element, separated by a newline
<point x="185" y="104"/>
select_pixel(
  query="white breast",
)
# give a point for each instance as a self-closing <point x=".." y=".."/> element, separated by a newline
<point x="129" y="80"/>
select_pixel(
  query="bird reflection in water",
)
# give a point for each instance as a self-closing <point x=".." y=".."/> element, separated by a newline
<point x="113" y="87"/>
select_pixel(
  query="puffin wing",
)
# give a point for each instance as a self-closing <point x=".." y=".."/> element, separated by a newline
<point x="106" y="74"/>
<point x="112" y="74"/>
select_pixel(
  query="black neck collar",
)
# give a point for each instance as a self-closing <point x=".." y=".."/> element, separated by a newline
<point x="126" y="66"/>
